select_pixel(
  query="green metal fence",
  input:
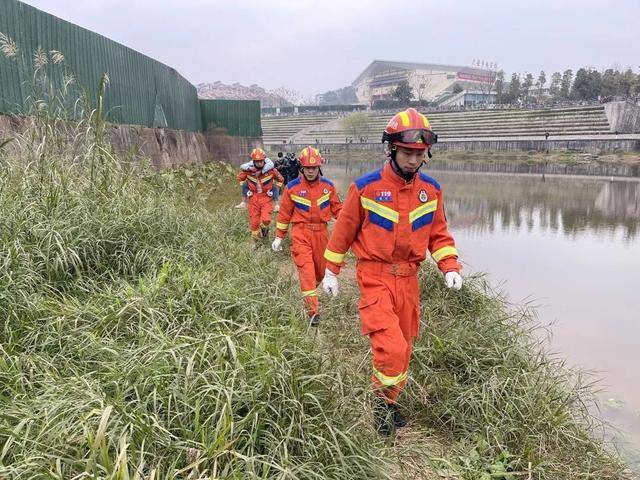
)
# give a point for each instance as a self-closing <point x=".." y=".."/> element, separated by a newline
<point x="240" y="118"/>
<point x="141" y="91"/>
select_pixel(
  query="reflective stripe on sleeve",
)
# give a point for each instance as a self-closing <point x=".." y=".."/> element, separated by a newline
<point x="310" y="293"/>
<point x="333" y="256"/>
<point x="282" y="226"/>
<point x="444" y="252"/>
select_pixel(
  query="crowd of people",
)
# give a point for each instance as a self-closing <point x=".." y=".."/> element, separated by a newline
<point x="391" y="219"/>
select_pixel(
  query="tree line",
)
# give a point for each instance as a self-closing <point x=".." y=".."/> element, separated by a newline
<point x="585" y="85"/>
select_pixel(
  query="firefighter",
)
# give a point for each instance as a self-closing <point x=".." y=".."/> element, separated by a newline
<point x="261" y="190"/>
<point x="308" y="203"/>
<point x="391" y="219"/>
<point x="268" y="165"/>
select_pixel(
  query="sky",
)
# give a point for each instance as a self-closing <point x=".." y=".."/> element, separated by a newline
<point x="313" y="46"/>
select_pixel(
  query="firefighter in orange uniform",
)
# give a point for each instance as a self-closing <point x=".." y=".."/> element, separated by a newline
<point x="391" y="219"/>
<point x="261" y="189"/>
<point x="307" y="204"/>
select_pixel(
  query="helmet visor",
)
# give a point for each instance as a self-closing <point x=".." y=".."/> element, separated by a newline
<point x="411" y="136"/>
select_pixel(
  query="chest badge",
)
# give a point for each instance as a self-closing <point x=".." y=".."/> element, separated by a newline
<point x="423" y="196"/>
<point x="325" y="191"/>
<point x="302" y="193"/>
<point x="384" y="196"/>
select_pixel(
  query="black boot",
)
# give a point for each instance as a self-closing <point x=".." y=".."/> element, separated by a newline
<point x="315" y="320"/>
<point x="399" y="419"/>
<point x="383" y="417"/>
<point x="265" y="232"/>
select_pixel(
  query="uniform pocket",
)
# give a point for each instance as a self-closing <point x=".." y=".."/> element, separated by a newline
<point x="372" y="316"/>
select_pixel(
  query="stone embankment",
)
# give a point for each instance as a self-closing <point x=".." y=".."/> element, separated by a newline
<point x="164" y="146"/>
<point x="611" y="128"/>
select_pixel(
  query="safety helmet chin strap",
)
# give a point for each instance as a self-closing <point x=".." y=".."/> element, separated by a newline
<point x="407" y="176"/>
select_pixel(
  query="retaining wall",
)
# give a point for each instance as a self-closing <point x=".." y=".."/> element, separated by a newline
<point x="609" y="145"/>
<point x="165" y="147"/>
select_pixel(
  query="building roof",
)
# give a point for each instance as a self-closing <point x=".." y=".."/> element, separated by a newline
<point x="378" y="66"/>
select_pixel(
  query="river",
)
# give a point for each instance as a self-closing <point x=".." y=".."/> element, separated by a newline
<point x="570" y="246"/>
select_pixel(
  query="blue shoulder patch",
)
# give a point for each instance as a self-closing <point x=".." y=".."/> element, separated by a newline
<point x="293" y="182"/>
<point x="426" y="178"/>
<point x="368" y="178"/>
<point x="324" y="180"/>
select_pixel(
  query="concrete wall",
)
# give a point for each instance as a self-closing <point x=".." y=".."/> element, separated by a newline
<point x="624" y="117"/>
<point x="164" y="146"/>
<point x="583" y="145"/>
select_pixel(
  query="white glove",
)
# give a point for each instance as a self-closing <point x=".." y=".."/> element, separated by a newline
<point x="454" y="280"/>
<point x="330" y="283"/>
<point x="276" y="246"/>
<point x="246" y="166"/>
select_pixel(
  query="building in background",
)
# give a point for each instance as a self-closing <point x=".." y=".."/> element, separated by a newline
<point x="443" y="85"/>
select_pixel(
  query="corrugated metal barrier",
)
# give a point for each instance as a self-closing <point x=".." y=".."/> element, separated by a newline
<point x="141" y="91"/>
<point x="240" y="118"/>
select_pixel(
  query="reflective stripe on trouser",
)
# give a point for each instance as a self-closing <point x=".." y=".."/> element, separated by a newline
<point x="307" y="250"/>
<point x="260" y="210"/>
<point x="389" y="314"/>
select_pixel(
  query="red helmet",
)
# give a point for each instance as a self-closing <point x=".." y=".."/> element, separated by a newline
<point x="258" y="154"/>
<point x="310" y="157"/>
<point x="409" y="129"/>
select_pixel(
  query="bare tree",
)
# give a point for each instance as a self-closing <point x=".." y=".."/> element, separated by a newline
<point x="491" y="74"/>
<point x="356" y="124"/>
<point x="422" y="84"/>
<point x="294" y="97"/>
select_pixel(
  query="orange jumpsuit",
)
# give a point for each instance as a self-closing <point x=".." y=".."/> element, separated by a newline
<point x="260" y="197"/>
<point x="308" y="206"/>
<point x="390" y="224"/>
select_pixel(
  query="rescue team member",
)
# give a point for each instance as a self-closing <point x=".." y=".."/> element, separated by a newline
<point x="268" y="165"/>
<point x="261" y="186"/>
<point x="390" y="218"/>
<point x="308" y="203"/>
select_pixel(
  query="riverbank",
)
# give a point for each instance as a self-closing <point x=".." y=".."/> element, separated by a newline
<point x="622" y="164"/>
<point x="142" y="338"/>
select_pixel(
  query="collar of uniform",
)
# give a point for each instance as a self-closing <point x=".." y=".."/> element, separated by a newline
<point x="389" y="174"/>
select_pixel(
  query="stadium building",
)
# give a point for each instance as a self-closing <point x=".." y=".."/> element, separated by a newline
<point x="445" y="85"/>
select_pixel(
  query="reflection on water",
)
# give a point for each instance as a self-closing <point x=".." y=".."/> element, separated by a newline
<point x="573" y="206"/>
<point x="569" y="245"/>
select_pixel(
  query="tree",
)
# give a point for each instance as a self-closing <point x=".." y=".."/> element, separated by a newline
<point x="422" y="83"/>
<point x="542" y="80"/>
<point x="554" y="87"/>
<point x="291" y="96"/>
<point x="500" y="87"/>
<point x="526" y="87"/>
<point x="610" y="82"/>
<point x="514" y="88"/>
<point x="587" y="85"/>
<point x="565" y="85"/>
<point x="403" y="92"/>
<point x="356" y="124"/>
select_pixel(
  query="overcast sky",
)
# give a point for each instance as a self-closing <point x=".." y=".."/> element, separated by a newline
<point x="314" y="46"/>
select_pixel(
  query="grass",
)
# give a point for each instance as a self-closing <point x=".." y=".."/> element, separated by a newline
<point x="141" y="338"/>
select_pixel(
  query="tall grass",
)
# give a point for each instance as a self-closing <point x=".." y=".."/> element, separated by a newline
<point x="141" y="338"/>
